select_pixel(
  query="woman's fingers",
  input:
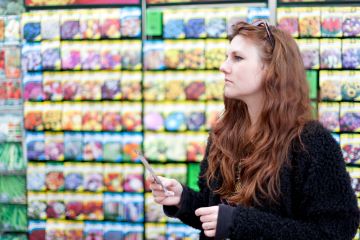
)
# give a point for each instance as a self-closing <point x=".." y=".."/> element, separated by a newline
<point x="208" y="218"/>
<point x="209" y="225"/>
<point x="209" y="233"/>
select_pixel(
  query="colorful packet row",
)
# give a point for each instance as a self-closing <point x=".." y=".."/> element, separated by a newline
<point x="340" y="85"/>
<point x="81" y="55"/>
<point x="320" y="21"/>
<point x="330" y="53"/>
<point x="81" y="24"/>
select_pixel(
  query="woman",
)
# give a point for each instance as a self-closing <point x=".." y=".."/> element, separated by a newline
<point x="269" y="172"/>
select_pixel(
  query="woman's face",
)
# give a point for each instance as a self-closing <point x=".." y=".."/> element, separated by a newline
<point x="243" y="71"/>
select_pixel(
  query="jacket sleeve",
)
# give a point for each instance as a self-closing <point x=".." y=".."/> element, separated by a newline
<point x="328" y="206"/>
<point x="192" y="200"/>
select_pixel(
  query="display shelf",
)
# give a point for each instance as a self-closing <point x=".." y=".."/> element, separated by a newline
<point x="208" y="2"/>
<point x="12" y="172"/>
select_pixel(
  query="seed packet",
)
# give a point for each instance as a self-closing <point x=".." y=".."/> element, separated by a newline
<point x="113" y="177"/>
<point x="54" y="146"/>
<point x="310" y="52"/>
<point x="309" y="22"/>
<point x="288" y="20"/>
<point x="154" y="87"/>
<point x="153" y="118"/>
<point x="131" y="55"/>
<point x="351" y="53"/>
<point x="174" y="86"/>
<point x="195" y="147"/>
<point x="154" y="55"/>
<point x="91" y="85"/>
<point x="176" y="150"/>
<point x="13" y="92"/>
<point x="2" y="62"/>
<point x="12" y="62"/>
<point x="175" y="117"/>
<point x="111" y="117"/>
<point x="354" y="172"/>
<point x="71" y="84"/>
<point x="177" y="171"/>
<point x="2" y="29"/>
<point x="349" y="86"/>
<point x="133" y="178"/>
<point x="33" y="87"/>
<point x="130" y="22"/>
<point x="155" y="146"/>
<point x="54" y="179"/>
<point x="55" y="229"/>
<point x="214" y="53"/>
<point x="50" y="26"/>
<point x="133" y="207"/>
<point x="350" y="145"/>
<point x="194" y="24"/>
<point x="71" y="55"/>
<point x="74" y="206"/>
<point x="153" y="211"/>
<point x="155" y="231"/>
<point x="111" y="55"/>
<point x="181" y="231"/>
<point x="37" y="229"/>
<point x="131" y="116"/>
<point x="70" y="25"/>
<point x="93" y="206"/>
<point x="351" y="22"/>
<point x="174" y="54"/>
<point x="213" y="113"/>
<point x="110" y="23"/>
<point x="195" y="116"/>
<point x="55" y="206"/>
<point x="31" y="27"/>
<point x="214" y="85"/>
<point x="131" y="142"/>
<point x="112" y="147"/>
<point x="331" y="22"/>
<point x="330" y="53"/>
<point x="134" y="231"/>
<point x="113" y="230"/>
<point x="90" y="56"/>
<point x="90" y="27"/>
<point x="36" y="176"/>
<point x="52" y="86"/>
<point x="91" y="116"/>
<point x="350" y="117"/>
<point x="31" y="57"/>
<point x="173" y="24"/>
<point x="330" y="85"/>
<point x="215" y="23"/>
<point x="74" y="176"/>
<point x="92" y="147"/>
<point x="93" y="178"/>
<point x="73" y="230"/>
<point x="50" y="51"/>
<point x="12" y="29"/>
<point x="33" y="116"/>
<point x="194" y="54"/>
<point x="111" y="88"/>
<point x="258" y="13"/>
<point x="93" y="230"/>
<point x="36" y="205"/>
<point x="72" y="116"/>
<point x="114" y="206"/>
<point x="131" y="85"/>
<point x="329" y="115"/>
<point x="194" y="84"/>
<point x="52" y="116"/>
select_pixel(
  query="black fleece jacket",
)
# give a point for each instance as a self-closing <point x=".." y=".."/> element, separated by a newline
<point x="317" y="201"/>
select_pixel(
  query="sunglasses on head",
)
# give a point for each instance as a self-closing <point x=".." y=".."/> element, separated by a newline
<point x="268" y="31"/>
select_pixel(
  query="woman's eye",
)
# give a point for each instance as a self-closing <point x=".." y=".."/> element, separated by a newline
<point x="238" y="58"/>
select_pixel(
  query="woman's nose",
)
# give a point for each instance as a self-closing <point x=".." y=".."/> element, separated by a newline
<point x="224" y="67"/>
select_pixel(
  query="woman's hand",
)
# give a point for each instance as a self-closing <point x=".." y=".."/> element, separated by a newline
<point x="174" y="195"/>
<point x="208" y="217"/>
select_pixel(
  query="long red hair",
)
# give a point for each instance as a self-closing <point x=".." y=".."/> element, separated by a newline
<point x="250" y="165"/>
